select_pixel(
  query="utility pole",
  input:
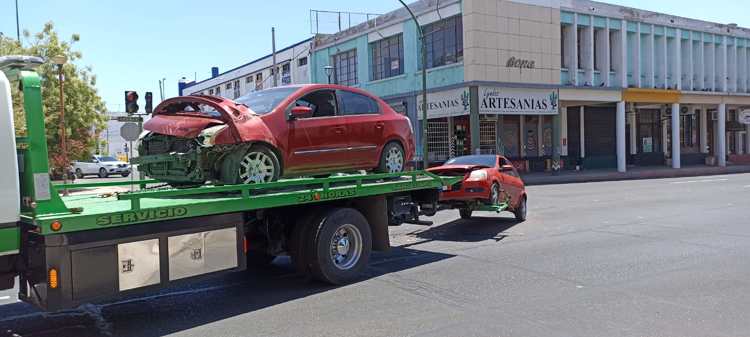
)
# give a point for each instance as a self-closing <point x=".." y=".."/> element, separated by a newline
<point x="273" y="50"/>
<point x="18" y="26"/>
<point x="425" y="161"/>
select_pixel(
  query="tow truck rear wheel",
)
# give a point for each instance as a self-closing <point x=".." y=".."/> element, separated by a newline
<point x="342" y="243"/>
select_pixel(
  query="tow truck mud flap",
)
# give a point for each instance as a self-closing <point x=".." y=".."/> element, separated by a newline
<point x="105" y="264"/>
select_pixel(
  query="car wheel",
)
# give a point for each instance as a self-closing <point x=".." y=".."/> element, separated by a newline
<point x="103" y="173"/>
<point x="125" y="175"/>
<point x="258" y="165"/>
<point x="465" y="213"/>
<point x="392" y="159"/>
<point x="79" y="173"/>
<point x="521" y="210"/>
<point x="495" y="194"/>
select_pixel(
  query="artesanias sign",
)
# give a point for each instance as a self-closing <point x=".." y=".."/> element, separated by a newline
<point x="454" y="102"/>
<point x="517" y="101"/>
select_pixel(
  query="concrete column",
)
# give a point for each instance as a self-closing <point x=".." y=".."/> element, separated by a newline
<point x="563" y="130"/>
<point x="721" y="148"/>
<point x="704" y="129"/>
<point x="676" y="159"/>
<point x="556" y="150"/>
<point x="582" y="121"/>
<point x="677" y="69"/>
<point x="474" y="118"/>
<point x="607" y="52"/>
<point x="539" y="137"/>
<point x="521" y="136"/>
<point x="620" y="124"/>
<point x="747" y="139"/>
<point x="573" y="52"/>
<point x="638" y="69"/>
<point x="633" y="132"/>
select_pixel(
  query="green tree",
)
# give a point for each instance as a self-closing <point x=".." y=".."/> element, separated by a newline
<point x="84" y="109"/>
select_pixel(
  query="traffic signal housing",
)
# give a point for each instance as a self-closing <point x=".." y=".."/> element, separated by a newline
<point x="149" y="102"/>
<point x="131" y="102"/>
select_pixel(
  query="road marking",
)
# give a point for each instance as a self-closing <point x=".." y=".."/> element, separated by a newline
<point x="698" y="181"/>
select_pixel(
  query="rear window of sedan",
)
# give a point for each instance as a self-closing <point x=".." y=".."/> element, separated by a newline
<point x="264" y="101"/>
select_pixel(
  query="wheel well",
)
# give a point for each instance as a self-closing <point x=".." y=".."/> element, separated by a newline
<point x="397" y="141"/>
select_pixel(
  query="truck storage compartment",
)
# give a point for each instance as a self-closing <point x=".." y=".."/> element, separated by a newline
<point x="66" y="270"/>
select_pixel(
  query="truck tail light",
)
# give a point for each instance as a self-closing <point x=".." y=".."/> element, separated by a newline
<point x="245" y="245"/>
<point x="53" y="280"/>
<point x="55" y="226"/>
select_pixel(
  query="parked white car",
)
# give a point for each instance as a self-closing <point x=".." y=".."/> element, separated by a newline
<point x="102" y="166"/>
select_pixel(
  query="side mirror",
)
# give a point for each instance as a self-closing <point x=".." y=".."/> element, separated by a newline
<point x="301" y="112"/>
<point x="506" y="168"/>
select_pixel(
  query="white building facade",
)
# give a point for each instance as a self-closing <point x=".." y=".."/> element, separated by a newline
<point x="292" y="67"/>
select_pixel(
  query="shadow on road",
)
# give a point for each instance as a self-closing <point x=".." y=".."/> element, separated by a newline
<point x="194" y="305"/>
<point x="476" y="229"/>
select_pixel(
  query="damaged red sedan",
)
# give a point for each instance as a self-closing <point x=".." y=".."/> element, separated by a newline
<point x="266" y="135"/>
<point x="488" y="180"/>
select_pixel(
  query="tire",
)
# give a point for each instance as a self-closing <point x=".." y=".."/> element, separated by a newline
<point x="300" y="243"/>
<point x="259" y="164"/>
<point x="125" y="175"/>
<point x="392" y="159"/>
<point x="465" y="213"/>
<point x="103" y="173"/>
<point x="494" y="194"/>
<point x="521" y="211"/>
<point x="349" y="231"/>
<point x="79" y="173"/>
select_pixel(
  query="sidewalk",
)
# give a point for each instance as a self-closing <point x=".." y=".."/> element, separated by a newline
<point x="567" y="177"/>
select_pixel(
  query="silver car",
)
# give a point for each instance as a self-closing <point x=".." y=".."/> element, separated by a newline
<point x="102" y="166"/>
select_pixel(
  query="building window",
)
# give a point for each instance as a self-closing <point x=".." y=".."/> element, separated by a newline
<point x="218" y="91"/>
<point x="249" y="79"/>
<point x="580" y="47"/>
<point x="688" y="134"/>
<point x="445" y="42"/>
<point x="229" y="86"/>
<point x="259" y="81"/>
<point x="612" y="43"/>
<point x="210" y="91"/>
<point x="387" y="57"/>
<point x="345" y="68"/>
<point x="286" y="74"/>
<point x="564" y="47"/>
<point x="597" y="64"/>
<point x="302" y="62"/>
<point x="236" y="88"/>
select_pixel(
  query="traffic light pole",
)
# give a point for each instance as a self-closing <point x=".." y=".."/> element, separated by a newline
<point x="425" y="159"/>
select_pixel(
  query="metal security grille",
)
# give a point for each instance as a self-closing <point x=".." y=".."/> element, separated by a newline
<point x="488" y="136"/>
<point x="437" y="140"/>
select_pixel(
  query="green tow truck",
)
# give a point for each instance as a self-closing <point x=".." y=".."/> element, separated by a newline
<point x="70" y="250"/>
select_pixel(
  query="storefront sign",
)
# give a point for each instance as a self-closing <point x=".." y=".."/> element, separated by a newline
<point x="516" y="101"/>
<point x="454" y="102"/>
<point x="744" y="117"/>
<point x="513" y="62"/>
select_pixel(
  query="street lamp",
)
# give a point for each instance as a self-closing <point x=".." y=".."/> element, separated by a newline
<point x="60" y="60"/>
<point x="424" y="85"/>
<point x="329" y="72"/>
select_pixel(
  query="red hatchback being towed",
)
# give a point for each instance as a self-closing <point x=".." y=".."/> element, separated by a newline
<point x="488" y="179"/>
<point x="281" y="132"/>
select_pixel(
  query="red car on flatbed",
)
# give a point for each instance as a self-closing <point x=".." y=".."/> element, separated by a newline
<point x="265" y="135"/>
<point x="488" y="180"/>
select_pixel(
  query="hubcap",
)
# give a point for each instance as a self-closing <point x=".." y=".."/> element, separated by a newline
<point x="346" y="247"/>
<point x="256" y="167"/>
<point x="394" y="160"/>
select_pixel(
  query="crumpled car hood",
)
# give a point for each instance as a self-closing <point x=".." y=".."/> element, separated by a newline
<point x="455" y="169"/>
<point x="179" y="126"/>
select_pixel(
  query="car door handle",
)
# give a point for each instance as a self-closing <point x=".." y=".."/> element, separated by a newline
<point x="338" y="130"/>
<point x="379" y="125"/>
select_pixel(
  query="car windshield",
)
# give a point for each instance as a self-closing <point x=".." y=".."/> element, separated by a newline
<point x="106" y="159"/>
<point x="488" y="161"/>
<point x="264" y="101"/>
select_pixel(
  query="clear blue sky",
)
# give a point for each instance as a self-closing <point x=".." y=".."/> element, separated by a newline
<point x="133" y="44"/>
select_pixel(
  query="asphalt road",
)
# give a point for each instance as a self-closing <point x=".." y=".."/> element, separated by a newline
<point x="636" y="258"/>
